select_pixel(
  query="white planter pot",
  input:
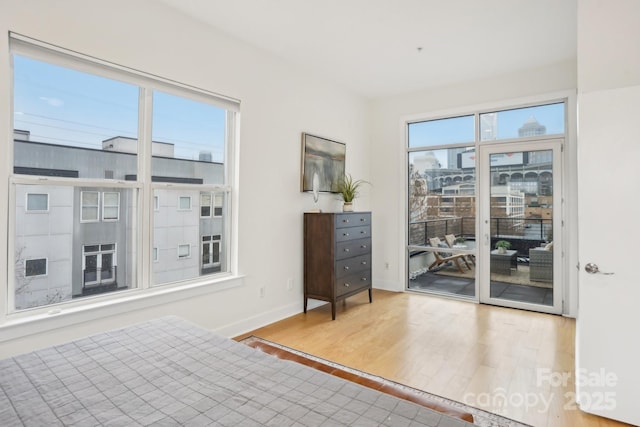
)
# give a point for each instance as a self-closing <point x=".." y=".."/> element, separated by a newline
<point x="347" y="207"/>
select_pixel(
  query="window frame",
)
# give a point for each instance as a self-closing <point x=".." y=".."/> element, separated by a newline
<point x="217" y="211"/>
<point x="142" y="184"/>
<point x="207" y="205"/>
<point x="82" y="206"/>
<point x="105" y="206"/>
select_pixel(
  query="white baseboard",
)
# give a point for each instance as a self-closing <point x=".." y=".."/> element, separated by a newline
<point x="264" y="319"/>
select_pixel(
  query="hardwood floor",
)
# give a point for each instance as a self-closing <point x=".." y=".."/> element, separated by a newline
<point x="463" y="351"/>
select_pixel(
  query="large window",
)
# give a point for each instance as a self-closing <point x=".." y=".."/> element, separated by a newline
<point x="79" y="140"/>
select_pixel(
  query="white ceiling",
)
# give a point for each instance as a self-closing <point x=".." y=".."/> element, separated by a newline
<point x="371" y="46"/>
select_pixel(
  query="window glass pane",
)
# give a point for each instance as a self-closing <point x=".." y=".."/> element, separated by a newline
<point x="173" y="228"/>
<point x="35" y="267"/>
<point x="185" y="203"/>
<point x="84" y="258"/>
<point x="111" y="209"/>
<point x="188" y="140"/>
<point x="89" y="205"/>
<point x="523" y="122"/>
<point x="442" y="213"/>
<point x="183" y="251"/>
<point x="442" y="131"/>
<point x="110" y="214"/>
<point x="37" y="202"/>
<point x="111" y="199"/>
<point x="71" y="123"/>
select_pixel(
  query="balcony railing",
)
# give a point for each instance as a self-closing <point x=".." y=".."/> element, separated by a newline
<point x="522" y="233"/>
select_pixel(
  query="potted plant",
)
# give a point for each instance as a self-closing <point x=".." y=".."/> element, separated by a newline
<point x="502" y="246"/>
<point x="459" y="240"/>
<point x="348" y="189"/>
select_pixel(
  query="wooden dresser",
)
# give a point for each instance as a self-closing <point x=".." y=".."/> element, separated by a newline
<point x="337" y="256"/>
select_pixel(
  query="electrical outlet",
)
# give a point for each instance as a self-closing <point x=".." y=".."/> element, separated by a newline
<point x="261" y="291"/>
<point x="289" y="284"/>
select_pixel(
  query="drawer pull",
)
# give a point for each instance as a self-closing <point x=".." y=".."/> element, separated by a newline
<point x="346" y="249"/>
<point x="345" y="220"/>
<point x="346" y="267"/>
<point x="364" y="246"/>
<point x="363" y="219"/>
<point x="363" y="232"/>
<point x="346" y="285"/>
<point x="364" y="279"/>
<point x="345" y="234"/>
<point x="364" y="262"/>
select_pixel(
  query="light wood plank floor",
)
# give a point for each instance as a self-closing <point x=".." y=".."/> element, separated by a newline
<point x="463" y="351"/>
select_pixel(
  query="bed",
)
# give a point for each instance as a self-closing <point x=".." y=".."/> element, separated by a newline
<point x="168" y="372"/>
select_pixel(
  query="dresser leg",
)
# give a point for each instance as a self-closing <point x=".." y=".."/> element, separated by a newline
<point x="333" y="310"/>
<point x="305" y="303"/>
<point x="370" y="296"/>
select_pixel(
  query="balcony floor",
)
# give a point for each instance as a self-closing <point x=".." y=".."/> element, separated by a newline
<point x="444" y="282"/>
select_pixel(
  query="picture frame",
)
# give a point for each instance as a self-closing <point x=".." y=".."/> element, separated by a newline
<point x="325" y="158"/>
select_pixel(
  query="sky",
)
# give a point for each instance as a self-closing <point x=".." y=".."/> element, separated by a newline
<point x="59" y="105"/>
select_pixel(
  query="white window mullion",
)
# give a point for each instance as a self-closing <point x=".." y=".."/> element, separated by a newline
<point x="146" y="197"/>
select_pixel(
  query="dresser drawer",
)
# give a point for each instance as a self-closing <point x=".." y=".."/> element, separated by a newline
<point x="353" y="282"/>
<point x="353" y="219"/>
<point x="351" y="248"/>
<point x="349" y="266"/>
<point x="353" y="233"/>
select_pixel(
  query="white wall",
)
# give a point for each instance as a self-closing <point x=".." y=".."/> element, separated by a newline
<point x="279" y="102"/>
<point x="388" y="146"/>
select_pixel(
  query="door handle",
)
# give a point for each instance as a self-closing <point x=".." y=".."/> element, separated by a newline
<point x="592" y="268"/>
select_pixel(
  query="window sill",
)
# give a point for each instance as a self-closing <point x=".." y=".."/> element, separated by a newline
<point x="19" y="326"/>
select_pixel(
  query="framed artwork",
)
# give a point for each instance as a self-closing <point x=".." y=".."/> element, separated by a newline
<point x="324" y="159"/>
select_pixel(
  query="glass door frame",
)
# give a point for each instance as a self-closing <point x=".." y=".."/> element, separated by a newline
<point x="483" y="242"/>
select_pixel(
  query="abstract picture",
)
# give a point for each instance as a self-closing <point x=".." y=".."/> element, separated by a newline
<point x="326" y="159"/>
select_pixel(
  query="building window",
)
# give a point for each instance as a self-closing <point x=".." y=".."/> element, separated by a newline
<point x="217" y="207"/>
<point x="184" y="251"/>
<point x="81" y="165"/>
<point x="110" y="206"/>
<point x="210" y="251"/>
<point x="184" y="203"/>
<point x="90" y="202"/>
<point x="35" y="267"/>
<point x="205" y="205"/>
<point x="37" y="202"/>
<point x="211" y="203"/>
<point x="99" y="264"/>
